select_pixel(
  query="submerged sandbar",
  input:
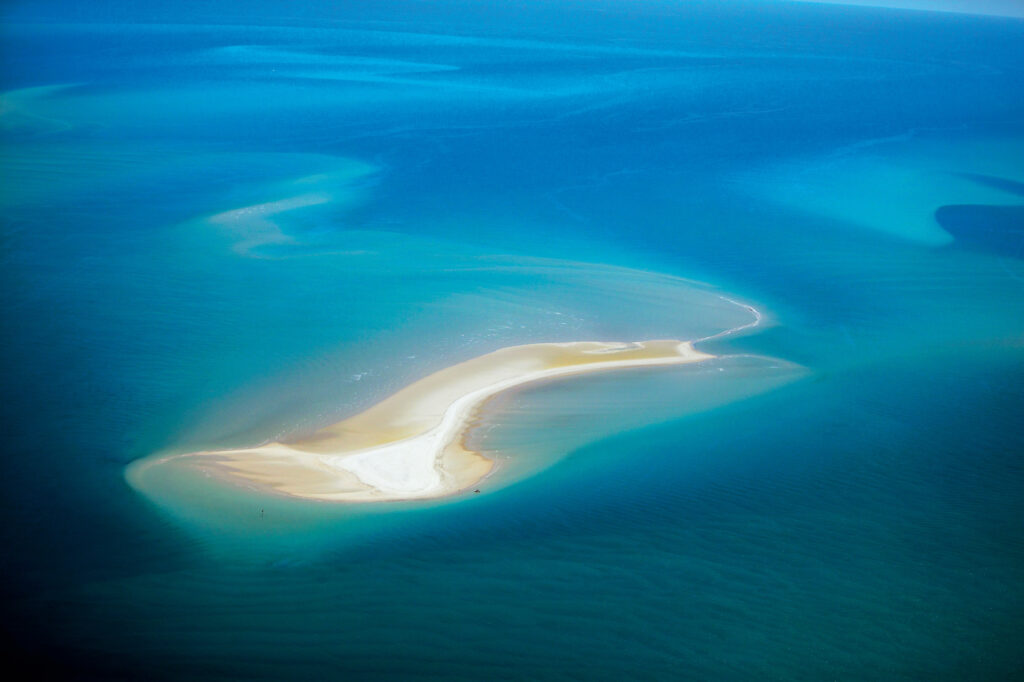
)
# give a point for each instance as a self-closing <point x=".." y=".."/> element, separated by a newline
<point x="411" y="444"/>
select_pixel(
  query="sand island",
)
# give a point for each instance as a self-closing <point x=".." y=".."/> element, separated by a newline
<point x="411" y="445"/>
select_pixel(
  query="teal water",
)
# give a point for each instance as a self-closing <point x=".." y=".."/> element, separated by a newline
<point x="223" y="226"/>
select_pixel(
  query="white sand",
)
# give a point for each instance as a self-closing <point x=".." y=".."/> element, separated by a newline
<point x="410" y="445"/>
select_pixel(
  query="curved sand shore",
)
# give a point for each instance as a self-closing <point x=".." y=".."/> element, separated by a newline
<point x="410" y="445"/>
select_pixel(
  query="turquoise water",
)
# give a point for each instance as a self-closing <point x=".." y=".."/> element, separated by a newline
<point x="226" y="226"/>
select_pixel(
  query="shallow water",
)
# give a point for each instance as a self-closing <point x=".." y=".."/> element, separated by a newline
<point x="248" y="226"/>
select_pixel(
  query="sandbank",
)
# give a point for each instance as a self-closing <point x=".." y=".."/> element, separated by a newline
<point x="411" y="444"/>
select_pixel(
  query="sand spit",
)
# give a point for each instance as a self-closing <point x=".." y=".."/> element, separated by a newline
<point x="410" y="445"/>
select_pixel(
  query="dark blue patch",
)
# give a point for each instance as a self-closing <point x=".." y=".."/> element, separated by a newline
<point x="999" y="229"/>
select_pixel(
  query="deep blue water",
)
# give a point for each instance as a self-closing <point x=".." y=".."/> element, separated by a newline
<point x="842" y="497"/>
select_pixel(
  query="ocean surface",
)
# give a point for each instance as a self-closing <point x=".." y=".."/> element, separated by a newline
<point x="228" y="223"/>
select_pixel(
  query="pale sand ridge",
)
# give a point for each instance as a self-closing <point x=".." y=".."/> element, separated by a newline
<point x="410" y="445"/>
